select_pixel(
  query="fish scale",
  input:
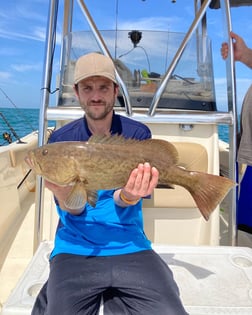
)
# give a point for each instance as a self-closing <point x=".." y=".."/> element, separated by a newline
<point x="105" y="162"/>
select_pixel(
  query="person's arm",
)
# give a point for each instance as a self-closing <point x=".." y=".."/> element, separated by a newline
<point x="141" y="183"/>
<point x="247" y="58"/>
<point x="242" y="52"/>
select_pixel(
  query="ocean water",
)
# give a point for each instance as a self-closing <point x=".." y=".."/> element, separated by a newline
<point x="23" y="121"/>
<point x="223" y="132"/>
<point x="19" y="122"/>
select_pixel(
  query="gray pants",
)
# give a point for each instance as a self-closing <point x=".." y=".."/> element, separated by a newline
<point x="138" y="283"/>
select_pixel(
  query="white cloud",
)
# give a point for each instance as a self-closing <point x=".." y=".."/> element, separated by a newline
<point x="20" y="36"/>
<point x="40" y="33"/>
<point x="26" y="13"/>
<point x="4" y="75"/>
<point x="151" y="23"/>
<point x="37" y="34"/>
<point x="23" y="20"/>
<point x="26" y="67"/>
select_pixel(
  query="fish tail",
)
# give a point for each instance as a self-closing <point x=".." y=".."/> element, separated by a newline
<point x="209" y="191"/>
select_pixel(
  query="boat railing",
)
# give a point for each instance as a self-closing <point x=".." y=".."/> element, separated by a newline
<point x="166" y="116"/>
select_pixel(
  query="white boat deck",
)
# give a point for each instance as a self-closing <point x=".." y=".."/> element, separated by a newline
<point x="238" y="258"/>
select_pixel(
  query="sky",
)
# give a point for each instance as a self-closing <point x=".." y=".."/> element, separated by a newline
<point x="23" y="29"/>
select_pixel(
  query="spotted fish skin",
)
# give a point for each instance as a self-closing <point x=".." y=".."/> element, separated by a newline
<point x="105" y="162"/>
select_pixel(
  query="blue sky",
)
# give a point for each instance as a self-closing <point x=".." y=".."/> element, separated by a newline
<point x="23" y="27"/>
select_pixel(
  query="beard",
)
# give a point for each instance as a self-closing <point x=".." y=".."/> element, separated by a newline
<point x="98" y="110"/>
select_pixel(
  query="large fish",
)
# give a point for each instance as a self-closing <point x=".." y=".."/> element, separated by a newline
<point x="105" y="162"/>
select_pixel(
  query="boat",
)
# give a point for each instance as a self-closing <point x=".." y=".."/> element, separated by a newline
<point x="174" y="94"/>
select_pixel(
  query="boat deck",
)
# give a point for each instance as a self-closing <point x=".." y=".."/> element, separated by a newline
<point x="17" y="260"/>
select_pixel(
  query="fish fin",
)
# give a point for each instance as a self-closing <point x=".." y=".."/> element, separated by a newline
<point x="77" y="198"/>
<point x="209" y="192"/>
<point x="92" y="197"/>
<point x="156" y="144"/>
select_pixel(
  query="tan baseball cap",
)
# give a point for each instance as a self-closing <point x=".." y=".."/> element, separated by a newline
<point x="94" y="64"/>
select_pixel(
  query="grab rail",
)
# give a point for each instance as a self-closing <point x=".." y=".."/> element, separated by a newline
<point x="170" y="116"/>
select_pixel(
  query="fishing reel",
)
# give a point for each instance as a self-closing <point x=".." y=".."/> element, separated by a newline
<point x="7" y="137"/>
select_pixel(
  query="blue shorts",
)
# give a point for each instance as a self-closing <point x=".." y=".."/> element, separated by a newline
<point x="137" y="283"/>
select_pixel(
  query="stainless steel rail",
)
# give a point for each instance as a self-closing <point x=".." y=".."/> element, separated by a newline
<point x="45" y="95"/>
<point x="168" y="116"/>
<point x="231" y="95"/>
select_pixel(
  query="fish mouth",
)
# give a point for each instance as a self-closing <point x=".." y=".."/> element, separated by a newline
<point x="31" y="163"/>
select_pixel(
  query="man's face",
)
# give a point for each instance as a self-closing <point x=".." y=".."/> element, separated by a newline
<point x="97" y="96"/>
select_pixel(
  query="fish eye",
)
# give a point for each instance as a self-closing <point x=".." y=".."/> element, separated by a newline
<point x="45" y="152"/>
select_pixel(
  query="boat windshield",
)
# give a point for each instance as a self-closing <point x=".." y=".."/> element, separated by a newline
<point x="142" y="59"/>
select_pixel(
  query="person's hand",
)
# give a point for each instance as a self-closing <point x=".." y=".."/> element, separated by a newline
<point x="141" y="183"/>
<point x="239" y="46"/>
<point x="224" y="50"/>
<point x="61" y="193"/>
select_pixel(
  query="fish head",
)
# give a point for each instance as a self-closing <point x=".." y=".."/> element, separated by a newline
<point x="51" y="162"/>
<point x="30" y="159"/>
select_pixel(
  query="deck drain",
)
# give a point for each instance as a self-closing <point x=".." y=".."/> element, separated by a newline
<point x="34" y="289"/>
<point x="242" y="261"/>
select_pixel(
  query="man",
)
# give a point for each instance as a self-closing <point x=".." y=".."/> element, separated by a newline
<point x="243" y="54"/>
<point x="102" y="253"/>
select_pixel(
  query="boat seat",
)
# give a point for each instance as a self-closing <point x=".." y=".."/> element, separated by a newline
<point x="192" y="157"/>
<point x="171" y="210"/>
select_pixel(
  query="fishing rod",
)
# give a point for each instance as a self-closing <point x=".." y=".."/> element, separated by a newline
<point x="11" y="129"/>
<point x="22" y="181"/>
<point x="20" y="113"/>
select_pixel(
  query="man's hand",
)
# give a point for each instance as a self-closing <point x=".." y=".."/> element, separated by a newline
<point x="241" y="52"/>
<point x="141" y="183"/>
<point x="61" y="193"/>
